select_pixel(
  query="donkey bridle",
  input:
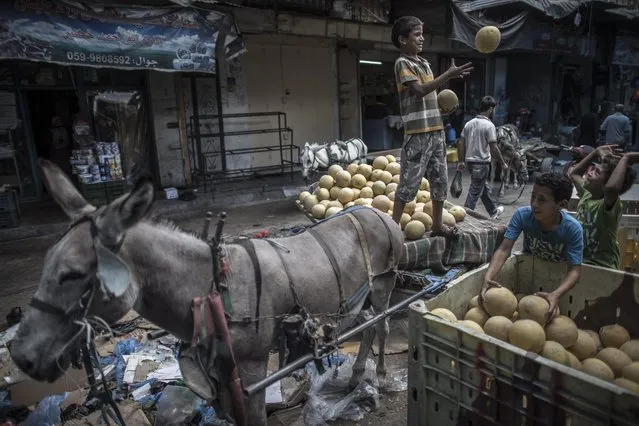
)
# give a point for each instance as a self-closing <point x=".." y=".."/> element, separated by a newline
<point x="78" y="312"/>
<point x="82" y="306"/>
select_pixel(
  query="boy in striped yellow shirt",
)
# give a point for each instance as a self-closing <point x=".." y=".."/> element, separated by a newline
<point x="424" y="147"/>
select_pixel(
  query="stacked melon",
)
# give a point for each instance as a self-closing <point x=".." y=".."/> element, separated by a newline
<point x="520" y="320"/>
<point x="374" y="186"/>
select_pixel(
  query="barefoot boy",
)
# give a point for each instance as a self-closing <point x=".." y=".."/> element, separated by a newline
<point x="550" y="233"/>
<point x="599" y="210"/>
<point x="424" y="148"/>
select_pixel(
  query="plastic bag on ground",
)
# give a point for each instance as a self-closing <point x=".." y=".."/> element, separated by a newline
<point x="329" y="397"/>
<point x="178" y="405"/>
<point x="47" y="412"/>
<point x="396" y="380"/>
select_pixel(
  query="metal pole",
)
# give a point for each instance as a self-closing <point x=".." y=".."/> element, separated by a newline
<point x="207" y="223"/>
<point x="300" y="362"/>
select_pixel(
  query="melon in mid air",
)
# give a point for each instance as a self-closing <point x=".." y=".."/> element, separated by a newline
<point x="487" y="39"/>
<point x="447" y="100"/>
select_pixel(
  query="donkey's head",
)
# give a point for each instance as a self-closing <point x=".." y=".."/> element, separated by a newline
<point x="83" y="276"/>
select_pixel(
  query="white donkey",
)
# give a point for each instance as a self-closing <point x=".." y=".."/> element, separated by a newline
<point x="315" y="156"/>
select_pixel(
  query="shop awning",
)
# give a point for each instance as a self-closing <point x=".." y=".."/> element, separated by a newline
<point x="164" y="39"/>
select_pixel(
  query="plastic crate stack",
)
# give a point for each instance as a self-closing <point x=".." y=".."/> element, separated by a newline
<point x="9" y="209"/>
<point x="102" y="193"/>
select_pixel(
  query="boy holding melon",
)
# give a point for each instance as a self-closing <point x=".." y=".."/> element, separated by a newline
<point x="424" y="147"/>
<point x="550" y="233"/>
<point x="599" y="210"/>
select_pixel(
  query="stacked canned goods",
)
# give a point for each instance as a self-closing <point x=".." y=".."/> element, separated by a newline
<point x="84" y="165"/>
<point x="100" y="164"/>
<point x="109" y="160"/>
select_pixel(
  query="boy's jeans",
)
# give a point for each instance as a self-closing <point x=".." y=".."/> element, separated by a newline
<point x="479" y="187"/>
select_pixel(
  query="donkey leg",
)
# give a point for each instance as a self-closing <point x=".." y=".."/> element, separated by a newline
<point x="382" y="330"/>
<point x="364" y="348"/>
<point x="380" y="298"/>
<point x="252" y="371"/>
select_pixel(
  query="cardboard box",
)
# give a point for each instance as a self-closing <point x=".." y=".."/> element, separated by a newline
<point x="171" y="193"/>
<point x="26" y="391"/>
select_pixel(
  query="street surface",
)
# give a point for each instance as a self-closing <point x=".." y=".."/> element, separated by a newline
<point x="22" y="262"/>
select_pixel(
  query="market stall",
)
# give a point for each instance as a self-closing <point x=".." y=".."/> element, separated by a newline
<point x="374" y="186"/>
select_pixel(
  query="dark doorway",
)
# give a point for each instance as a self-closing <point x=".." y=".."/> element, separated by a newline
<point x="52" y="114"/>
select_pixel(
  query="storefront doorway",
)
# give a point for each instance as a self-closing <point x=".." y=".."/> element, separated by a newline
<point x="52" y="114"/>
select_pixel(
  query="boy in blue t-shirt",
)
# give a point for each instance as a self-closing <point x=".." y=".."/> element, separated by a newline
<point x="549" y="233"/>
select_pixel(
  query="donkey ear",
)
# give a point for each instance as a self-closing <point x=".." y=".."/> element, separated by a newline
<point x="137" y="204"/>
<point x="124" y="212"/>
<point x="64" y="193"/>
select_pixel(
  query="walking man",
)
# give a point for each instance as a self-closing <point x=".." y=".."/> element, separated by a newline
<point x="478" y="141"/>
<point x="617" y="129"/>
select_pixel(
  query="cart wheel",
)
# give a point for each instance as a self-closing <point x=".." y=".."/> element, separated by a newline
<point x="546" y="165"/>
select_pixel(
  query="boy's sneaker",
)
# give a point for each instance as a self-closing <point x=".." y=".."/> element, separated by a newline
<point x="498" y="212"/>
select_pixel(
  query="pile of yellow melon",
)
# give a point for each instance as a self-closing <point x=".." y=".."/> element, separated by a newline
<point x="374" y="186"/>
<point x="609" y="354"/>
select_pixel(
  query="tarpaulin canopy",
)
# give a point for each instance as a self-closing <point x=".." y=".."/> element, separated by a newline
<point x="466" y="26"/>
<point x="629" y="14"/>
<point x="555" y="9"/>
<point x="163" y="39"/>
<point x="521" y="32"/>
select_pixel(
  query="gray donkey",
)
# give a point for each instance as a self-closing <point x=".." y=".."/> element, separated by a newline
<point x="163" y="269"/>
<point x="509" y="144"/>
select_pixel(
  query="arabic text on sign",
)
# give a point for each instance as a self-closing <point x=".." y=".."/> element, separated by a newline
<point x="101" y="58"/>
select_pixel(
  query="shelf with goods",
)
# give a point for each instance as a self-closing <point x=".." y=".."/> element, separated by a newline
<point x="99" y="172"/>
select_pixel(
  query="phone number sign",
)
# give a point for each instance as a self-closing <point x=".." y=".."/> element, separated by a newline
<point x="107" y="59"/>
<point x="42" y="31"/>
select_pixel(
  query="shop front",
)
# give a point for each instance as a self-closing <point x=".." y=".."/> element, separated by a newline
<point x="74" y="90"/>
<point x="92" y="123"/>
